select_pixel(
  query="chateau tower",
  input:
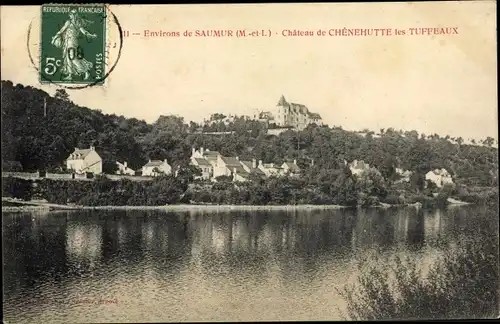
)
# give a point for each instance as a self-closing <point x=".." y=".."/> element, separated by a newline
<point x="282" y="111"/>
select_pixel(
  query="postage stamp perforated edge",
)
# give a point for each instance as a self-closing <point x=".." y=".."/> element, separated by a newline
<point x="106" y="22"/>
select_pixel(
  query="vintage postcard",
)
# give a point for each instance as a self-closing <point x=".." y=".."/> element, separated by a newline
<point x="249" y="162"/>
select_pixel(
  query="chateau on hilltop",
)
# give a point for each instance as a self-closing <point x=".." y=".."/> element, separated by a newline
<point x="294" y="115"/>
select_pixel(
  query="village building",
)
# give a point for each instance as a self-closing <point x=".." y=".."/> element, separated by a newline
<point x="124" y="169"/>
<point x="84" y="160"/>
<point x="240" y="175"/>
<point x="270" y="169"/>
<point x="439" y="177"/>
<point x="291" y="168"/>
<point x="358" y="167"/>
<point x="210" y="156"/>
<point x="156" y="167"/>
<point x="226" y="166"/>
<point x="252" y="169"/>
<point x="295" y="115"/>
<point x="205" y="167"/>
<point x="404" y="175"/>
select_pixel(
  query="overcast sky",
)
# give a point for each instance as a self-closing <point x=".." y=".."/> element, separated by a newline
<point x="443" y="84"/>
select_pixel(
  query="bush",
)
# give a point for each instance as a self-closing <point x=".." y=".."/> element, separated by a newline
<point x="461" y="285"/>
<point x="17" y="188"/>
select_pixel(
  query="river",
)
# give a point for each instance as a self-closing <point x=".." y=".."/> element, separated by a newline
<point x="135" y="266"/>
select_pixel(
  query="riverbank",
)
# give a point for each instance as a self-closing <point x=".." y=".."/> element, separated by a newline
<point x="39" y="205"/>
<point x="455" y="202"/>
<point x="44" y="206"/>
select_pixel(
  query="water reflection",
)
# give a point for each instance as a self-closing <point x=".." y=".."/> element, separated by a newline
<point x="209" y="266"/>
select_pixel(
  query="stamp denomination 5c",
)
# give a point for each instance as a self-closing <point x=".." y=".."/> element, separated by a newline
<point x="73" y="43"/>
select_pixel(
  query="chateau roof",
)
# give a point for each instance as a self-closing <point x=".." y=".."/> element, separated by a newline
<point x="298" y="108"/>
<point x="314" y="115"/>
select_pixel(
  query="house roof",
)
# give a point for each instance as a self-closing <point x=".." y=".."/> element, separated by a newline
<point x="231" y="161"/>
<point x="292" y="166"/>
<point x="82" y="152"/>
<point x="442" y="172"/>
<point x="209" y="153"/>
<point x="271" y="166"/>
<point x="154" y="163"/>
<point x="123" y="165"/>
<point x="249" y="165"/>
<point x="202" y="162"/>
<point x="239" y="169"/>
<point x="245" y="174"/>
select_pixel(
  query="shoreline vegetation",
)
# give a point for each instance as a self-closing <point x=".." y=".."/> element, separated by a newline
<point x="182" y="193"/>
<point x="15" y="205"/>
<point x="462" y="284"/>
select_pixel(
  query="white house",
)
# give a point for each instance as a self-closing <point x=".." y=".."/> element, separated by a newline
<point x="290" y="168"/>
<point x="404" y="174"/>
<point x="205" y="167"/>
<point x="84" y="160"/>
<point x="226" y="166"/>
<point x="251" y="168"/>
<point x="440" y="177"/>
<point x="156" y="167"/>
<point x="124" y="169"/>
<point x="358" y="167"/>
<point x="210" y="156"/>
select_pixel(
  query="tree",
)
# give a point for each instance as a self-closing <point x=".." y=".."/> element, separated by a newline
<point x="188" y="173"/>
<point x="62" y="95"/>
<point x="217" y="117"/>
<point x="489" y="141"/>
<point x="417" y="180"/>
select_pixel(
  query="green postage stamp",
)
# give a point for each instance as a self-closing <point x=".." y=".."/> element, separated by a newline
<point x="73" y="43"/>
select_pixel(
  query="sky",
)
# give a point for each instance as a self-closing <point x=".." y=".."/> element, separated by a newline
<point x="444" y="84"/>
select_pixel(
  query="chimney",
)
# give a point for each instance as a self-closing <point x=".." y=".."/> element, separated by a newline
<point x="260" y="162"/>
<point x="165" y="161"/>
<point x="201" y="151"/>
<point x="149" y="160"/>
<point x="92" y="148"/>
<point x="125" y="164"/>
<point x="294" y="161"/>
<point x="193" y="151"/>
<point x="254" y="163"/>
<point x="238" y="158"/>
<point x="312" y="162"/>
